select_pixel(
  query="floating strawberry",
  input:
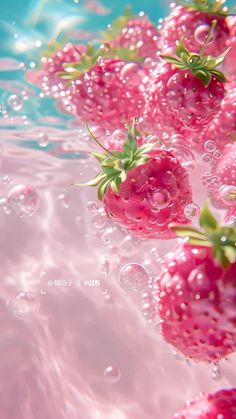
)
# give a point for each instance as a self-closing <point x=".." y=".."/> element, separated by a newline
<point x="230" y="64"/>
<point x="222" y="192"/>
<point x="142" y="188"/>
<point x="47" y="76"/>
<point x="135" y="33"/>
<point x="106" y="86"/>
<point x="223" y="124"/>
<point x="219" y="405"/>
<point x="197" y="293"/>
<point x="185" y="93"/>
<point x="192" y="20"/>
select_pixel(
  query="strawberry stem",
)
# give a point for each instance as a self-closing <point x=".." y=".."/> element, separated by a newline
<point x="96" y="140"/>
<point x="208" y="38"/>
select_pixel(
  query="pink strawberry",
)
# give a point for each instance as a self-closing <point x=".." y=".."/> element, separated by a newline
<point x="229" y="64"/>
<point x="222" y="191"/>
<point x="219" y="405"/>
<point x="46" y="77"/>
<point x="135" y="33"/>
<point x="192" y="20"/>
<point x="106" y="90"/>
<point x="143" y="190"/>
<point x="186" y="92"/>
<point x="196" y="291"/>
<point x="223" y="124"/>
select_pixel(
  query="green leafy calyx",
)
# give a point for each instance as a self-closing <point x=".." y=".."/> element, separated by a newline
<point x="222" y="239"/>
<point x="116" y="164"/>
<point x="74" y="70"/>
<point x="202" y="66"/>
<point x="215" y="7"/>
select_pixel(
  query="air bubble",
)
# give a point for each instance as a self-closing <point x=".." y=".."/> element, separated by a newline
<point x="192" y="211"/>
<point x="201" y="33"/>
<point x="207" y="158"/>
<point x="185" y="157"/>
<point x="210" y="146"/>
<point x="15" y="102"/>
<point x="217" y="154"/>
<point x="23" y="200"/>
<point x="133" y="278"/>
<point x="228" y="194"/>
<point x="160" y="198"/>
<point x="99" y="220"/>
<point x="92" y="207"/>
<point x="112" y="374"/>
<point x="43" y="139"/>
<point x="129" y="246"/>
<point x="24" y="305"/>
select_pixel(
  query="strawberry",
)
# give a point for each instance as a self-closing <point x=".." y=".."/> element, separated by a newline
<point x="106" y="86"/>
<point x="230" y="65"/>
<point x="219" y="405"/>
<point x="223" y="124"/>
<point x="222" y="191"/>
<point x="135" y="33"/>
<point x="142" y="188"/>
<point x="197" y="293"/>
<point x="185" y="93"/>
<point x="46" y="77"/>
<point x="194" y="17"/>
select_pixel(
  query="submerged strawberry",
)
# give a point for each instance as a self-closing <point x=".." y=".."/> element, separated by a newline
<point x="185" y="93"/>
<point x="197" y="292"/>
<point x="192" y="20"/>
<point x="106" y="86"/>
<point x="47" y="76"/>
<point x="143" y="188"/>
<point x="135" y="33"/>
<point x="223" y="124"/>
<point x="222" y="191"/>
<point x="219" y="405"/>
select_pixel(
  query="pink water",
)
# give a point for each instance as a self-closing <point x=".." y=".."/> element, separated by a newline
<point x="75" y="342"/>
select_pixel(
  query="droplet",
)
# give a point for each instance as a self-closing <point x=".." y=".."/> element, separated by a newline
<point x="99" y="220"/>
<point x="15" y="102"/>
<point x="210" y="146"/>
<point x="63" y="200"/>
<point x="184" y="156"/>
<point x="6" y="181"/>
<point x="92" y="206"/>
<point x="23" y="200"/>
<point x="133" y="278"/>
<point x="192" y="211"/>
<point x="112" y="374"/>
<point x="160" y="198"/>
<point x="43" y="139"/>
<point x="24" y="305"/>
<point x="129" y="246"/>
